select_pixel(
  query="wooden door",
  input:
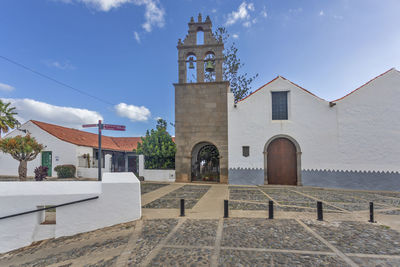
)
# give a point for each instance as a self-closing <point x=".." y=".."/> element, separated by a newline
<point x="282" y="162"/>
<point x="47" y="161"/>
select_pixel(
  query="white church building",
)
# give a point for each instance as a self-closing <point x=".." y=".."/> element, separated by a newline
<point x="284" y="134"/>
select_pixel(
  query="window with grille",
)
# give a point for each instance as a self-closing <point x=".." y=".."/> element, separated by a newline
<point x="279" y="105"/>
<point x="246" y="151"/>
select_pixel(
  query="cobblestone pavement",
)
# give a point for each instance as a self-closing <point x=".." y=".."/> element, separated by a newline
<point x="148" y="187"/>
<point x="342" y="239"/>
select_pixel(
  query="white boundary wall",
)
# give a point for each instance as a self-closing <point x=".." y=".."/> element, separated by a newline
<point x="155" y="175"/>
<point x="119" y="202"/>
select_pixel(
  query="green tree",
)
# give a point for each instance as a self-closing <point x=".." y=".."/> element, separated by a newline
<point x="240" y="82"/>
<point x="23" y="149"/>
<point x="158" y="148"/>
<point x="7" y="117"/>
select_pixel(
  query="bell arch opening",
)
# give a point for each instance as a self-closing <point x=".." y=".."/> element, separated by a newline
<point x="209" y="67"/>
<point x="191" y="68"/>
<point x="205" y="163"/>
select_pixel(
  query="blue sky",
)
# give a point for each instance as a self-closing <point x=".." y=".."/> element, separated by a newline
<point x="124" y="51"/>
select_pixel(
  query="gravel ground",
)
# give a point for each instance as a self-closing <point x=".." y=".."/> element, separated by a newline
<point x="182" y="257"/>
<point x="272" y="234"/>
<point x="191" y="194"/>
<point x="195" y="233"/>
<point x="230" y="257"/>
<point x="358" y="237"/>
<point x="152" y="233"/>
<point x="148" y="187"/>
<point x="371" y="262"/>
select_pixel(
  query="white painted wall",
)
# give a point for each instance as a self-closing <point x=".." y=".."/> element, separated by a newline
<point x="93" y="172"/>
<point x="62" y="152"/>
<point x="155" y="175"/>
<point x="362" y="132"/>
<point x="119" y="202"/>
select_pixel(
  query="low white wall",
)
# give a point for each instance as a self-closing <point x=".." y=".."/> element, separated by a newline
<point x="119" y="201"/>
<point x="155" y="175"/>
<point x="93" y="172"/>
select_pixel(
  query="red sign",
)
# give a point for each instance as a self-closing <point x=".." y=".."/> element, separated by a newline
<point x="90" y="125"/>
<point x="113" y="127"/>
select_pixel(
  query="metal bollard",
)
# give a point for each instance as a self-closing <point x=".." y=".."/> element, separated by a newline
<point x="226" y="209"/>
<point x="270" y="209"/>
<point x="319" y="211"/>
<point x="182" y="207"/>
<point x="371" y="212"/>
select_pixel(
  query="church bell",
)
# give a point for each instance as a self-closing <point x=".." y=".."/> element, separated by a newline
<point x="191" y="65"/>
<point x="210" y="66"/>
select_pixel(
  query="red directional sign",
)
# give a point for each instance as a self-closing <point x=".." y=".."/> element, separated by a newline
<point x="89" y="125"/>
<point x="113" y="127"/>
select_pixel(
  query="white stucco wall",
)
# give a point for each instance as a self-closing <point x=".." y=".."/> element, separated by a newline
<point x="119" y="201"/>
<point x="360" y="133"/>
<point x="155" y="175"/>
<point x="62" y="152"/>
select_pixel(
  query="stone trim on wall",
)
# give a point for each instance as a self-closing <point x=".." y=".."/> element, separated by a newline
<point x="362" y="180"/>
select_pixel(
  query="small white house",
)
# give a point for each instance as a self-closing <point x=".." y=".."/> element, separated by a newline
<point x="283" y="134"/>
<point x="71" y="146"/>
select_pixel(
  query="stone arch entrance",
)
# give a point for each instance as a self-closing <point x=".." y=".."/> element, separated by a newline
<point x="205" y="163"/>
<point x="282" y="161"/>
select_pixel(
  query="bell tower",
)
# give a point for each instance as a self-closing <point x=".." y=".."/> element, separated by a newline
<point x="201" y="118"/>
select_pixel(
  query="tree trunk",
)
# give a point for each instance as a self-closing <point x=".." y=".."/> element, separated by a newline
<point x="22" y="170"/>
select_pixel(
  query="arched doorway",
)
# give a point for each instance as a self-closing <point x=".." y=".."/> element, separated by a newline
<point x="205" y="163"/>
<point x="282" y="161"/>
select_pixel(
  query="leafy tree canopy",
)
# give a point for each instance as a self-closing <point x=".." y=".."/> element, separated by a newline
<point x="7" y="117"/>
<point x="240" y="82"/>
<point x="23" y="149"/>
<point x="158" y="148"/>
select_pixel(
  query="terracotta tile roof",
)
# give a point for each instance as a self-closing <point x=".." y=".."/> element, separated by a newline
<point x="82" y="138"/>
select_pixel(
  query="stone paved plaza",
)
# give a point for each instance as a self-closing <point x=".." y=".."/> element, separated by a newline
<point x="247" y="238"/>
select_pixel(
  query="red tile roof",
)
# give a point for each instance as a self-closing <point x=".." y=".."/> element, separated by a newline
<point x="82" y="138"/>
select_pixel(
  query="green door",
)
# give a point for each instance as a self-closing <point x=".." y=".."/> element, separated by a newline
<point x="46" y="161"/>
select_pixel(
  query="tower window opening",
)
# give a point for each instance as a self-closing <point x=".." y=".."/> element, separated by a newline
<point x="200" y="37"/>
<point x="209" y="67"/>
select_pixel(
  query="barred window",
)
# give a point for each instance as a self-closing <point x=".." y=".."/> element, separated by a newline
<point x="246" y="151"/>
<point x="279" y="105"/>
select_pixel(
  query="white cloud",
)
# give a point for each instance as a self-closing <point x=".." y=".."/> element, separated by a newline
<point x="6" y="87"/>
<point x="321" y="13"/>
<point x="247" y="24"/>
<point x="154" y="13"/>
<point x="137" y="37"/>
<point x="214" y="10"/>
<point x="264" y="12"/>
<point x="338" y="17"/>
<point x="134" y="113"/>
<point x="66" y="65"/>
<point x="236" y="36"/>
<point x="29" y="109"/>
<point x="242" y="14"/>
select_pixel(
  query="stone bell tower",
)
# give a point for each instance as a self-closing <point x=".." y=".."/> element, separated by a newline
<point x="201" y="117"/>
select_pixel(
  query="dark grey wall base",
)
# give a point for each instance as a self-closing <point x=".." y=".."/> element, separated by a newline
<point x="352" y="180"/>
<point x="249" y="176"/>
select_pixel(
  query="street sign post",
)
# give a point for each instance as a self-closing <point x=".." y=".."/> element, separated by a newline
<point x="102" y="126"/>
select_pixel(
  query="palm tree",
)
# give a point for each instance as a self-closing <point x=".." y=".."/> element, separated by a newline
<point x="7" y="119"/>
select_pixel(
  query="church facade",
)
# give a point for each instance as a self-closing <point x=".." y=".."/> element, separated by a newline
<point x="282" y="134"/>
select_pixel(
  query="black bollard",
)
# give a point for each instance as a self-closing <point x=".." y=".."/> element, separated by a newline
<point x="371" y="212"/>
<point x="226" y="209"/>
<point x="182" y="207"/>
<point x="270" y="209"/>
<point x="319" y="211"/>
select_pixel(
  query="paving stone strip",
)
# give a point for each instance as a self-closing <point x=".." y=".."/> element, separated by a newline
<point x="338" y="252"/>
<point x="124" y="257"/>
<point x="157" y="249"/>
<point x="217" y="247"/>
